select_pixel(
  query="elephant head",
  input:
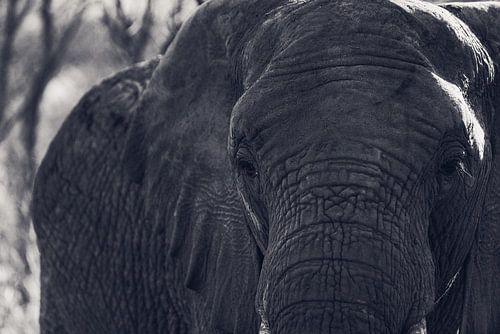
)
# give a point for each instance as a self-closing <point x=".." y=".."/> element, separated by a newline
<point x="332" y="164"/>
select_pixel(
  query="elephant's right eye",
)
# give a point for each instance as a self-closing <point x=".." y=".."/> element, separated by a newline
<point x="247" y="168"/>
<point x="245" y="162"/>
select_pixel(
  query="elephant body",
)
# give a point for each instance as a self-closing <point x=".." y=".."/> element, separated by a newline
<point x="97" y="283"/>
<point x="295" y="166"/>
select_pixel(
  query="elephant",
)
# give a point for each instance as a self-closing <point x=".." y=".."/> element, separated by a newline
<point x="287" y="166"/>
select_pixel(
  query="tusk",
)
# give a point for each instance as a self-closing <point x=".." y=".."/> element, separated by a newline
<point x="420" y="328"/>
<point x="264" y="329"/>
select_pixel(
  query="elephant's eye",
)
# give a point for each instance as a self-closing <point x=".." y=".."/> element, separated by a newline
<point x="454" y="165"/>
<point x="450" y="167"/>
<point x="247" y="168"/>
<point x="452" y="171"/>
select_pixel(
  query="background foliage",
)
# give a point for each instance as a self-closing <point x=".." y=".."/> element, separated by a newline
<point x="51" y="52"/>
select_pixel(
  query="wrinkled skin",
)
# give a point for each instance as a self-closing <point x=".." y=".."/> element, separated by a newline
<point x="314" y="166"/>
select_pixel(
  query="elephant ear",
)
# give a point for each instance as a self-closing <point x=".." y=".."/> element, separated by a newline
<point x="482" y="290"/>
<point x="177" y="149"/>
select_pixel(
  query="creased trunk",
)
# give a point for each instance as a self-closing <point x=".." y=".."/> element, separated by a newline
<point x="348" y="268"/>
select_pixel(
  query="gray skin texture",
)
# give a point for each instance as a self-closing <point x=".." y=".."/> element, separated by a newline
<point x="317" y="166"/>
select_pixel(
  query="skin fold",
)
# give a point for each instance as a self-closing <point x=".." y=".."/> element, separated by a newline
<point x="302" y="166"/>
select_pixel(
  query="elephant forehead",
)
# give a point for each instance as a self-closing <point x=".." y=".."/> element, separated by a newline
<point x="367" y="71"/>
<point x="306" y="32"/>
<point x="403" y="112"/>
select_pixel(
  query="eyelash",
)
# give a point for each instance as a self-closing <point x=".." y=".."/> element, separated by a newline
<point x="454" y="166"/>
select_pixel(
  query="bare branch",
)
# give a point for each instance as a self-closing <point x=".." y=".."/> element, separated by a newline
<point x="13" y="20"/>
<point x="68" y="34"/>
<point x="53" y="55"/>
<point x="47" y="28"/>
<point x="24" y="10"/>
<point x="7" y="126"/>
<point x="131" y="43"/>
<point x="143" y="34"/>
<point x="173" y="25"/>
<point x="120" y="15"/>
<point x="53" y="51"/>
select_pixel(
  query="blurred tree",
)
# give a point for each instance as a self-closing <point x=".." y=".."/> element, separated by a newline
<point x="15" y="13"/>
<point x="24" y="77"/>
<point x="54" y="44"/>
<point x="173" y="24"/>
<point x="21" y="164"/>
<point x="130" y="38"/>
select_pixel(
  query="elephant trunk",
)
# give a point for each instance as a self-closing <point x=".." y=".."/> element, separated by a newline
<point x="346" y="268"/>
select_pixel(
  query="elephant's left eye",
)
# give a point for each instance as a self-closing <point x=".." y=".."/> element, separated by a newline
<point x="454" y="165"/>
<point x="451" y="171"/>
<point x="451" y="167"/>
